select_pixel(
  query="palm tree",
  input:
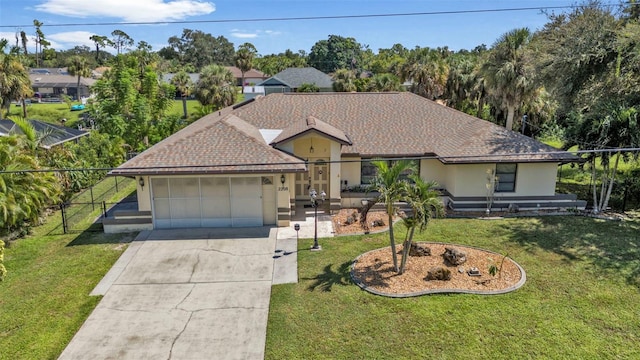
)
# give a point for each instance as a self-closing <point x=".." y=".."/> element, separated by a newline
<point x="507" y="73"/>
<point x="428" y="77"/>
<point x="387" y="182"/>
<point x="344" y="81"/>
<point x="244" y="59"/>
<point x="23" y="194"/>
<point x="384" y="82"/>
<point x="14" y="81"/>
<point x="425" y="203"/>
<point x="78" y="66"/>
<point x="182" y="82"/>
<point x="215" y="88"/>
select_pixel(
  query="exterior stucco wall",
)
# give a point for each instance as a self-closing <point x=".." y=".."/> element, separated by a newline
<point x="434" y="170"/>
<point x="334" y="171"/>
<point x="536" y="179"/>
<point x="532" y="179"/>
<point x="350" y="171"/>
<point x="143" y="194"/>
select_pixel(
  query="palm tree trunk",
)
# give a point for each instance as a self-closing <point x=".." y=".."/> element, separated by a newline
<point x="405" y="250"/>
<point x="392" y="240"/>
<point x="242" y="82"/>
<point x="78" y="89"/>
<point x="511" y="111"/>
<point x="184" y="106"/>
<point x="611" y="181"/>
<point x="24" y="109"/>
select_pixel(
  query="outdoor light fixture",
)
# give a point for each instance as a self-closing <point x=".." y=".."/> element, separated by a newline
<point x="314" y="203"/>
<point x="296" y="227"/>
<point x="141" y="182"/>
<point x="311" y="148"/>
<point x="282" y="179"/>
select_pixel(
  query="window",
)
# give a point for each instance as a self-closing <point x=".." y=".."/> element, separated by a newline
<point x="506" y="174"/>
<point x="368" y="171"/>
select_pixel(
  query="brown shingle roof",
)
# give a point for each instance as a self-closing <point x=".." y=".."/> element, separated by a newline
<point x="367" y="124"/>
<point x="400" y="124"/>
<point x="253" y="73"/>
<point x="218" y="143"/>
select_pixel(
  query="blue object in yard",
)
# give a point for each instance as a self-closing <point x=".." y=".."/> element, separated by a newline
<point x="77" y="107"/>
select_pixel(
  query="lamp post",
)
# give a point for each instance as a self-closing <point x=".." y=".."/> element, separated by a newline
<point x="314" y="203"/>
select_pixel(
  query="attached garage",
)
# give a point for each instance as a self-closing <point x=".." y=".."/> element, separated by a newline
<point x="213" y="201"/>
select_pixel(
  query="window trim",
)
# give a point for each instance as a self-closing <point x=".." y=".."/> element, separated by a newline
<point x="512" y="188"/>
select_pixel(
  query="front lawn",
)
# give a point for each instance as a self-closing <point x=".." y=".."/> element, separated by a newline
<point x="579" y="301"/>
<point x="45" y="297"/>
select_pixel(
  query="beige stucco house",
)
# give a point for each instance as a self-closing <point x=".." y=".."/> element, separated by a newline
<point x="248" y="165"/>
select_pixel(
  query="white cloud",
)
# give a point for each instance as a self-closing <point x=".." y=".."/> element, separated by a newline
<point x="244" y="34"/>
<point x="129" y="10"/>
<point x="72" y="38"/>
<point x="240" y="35"/>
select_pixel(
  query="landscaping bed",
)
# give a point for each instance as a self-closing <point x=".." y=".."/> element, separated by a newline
<point x="374" y="272"/>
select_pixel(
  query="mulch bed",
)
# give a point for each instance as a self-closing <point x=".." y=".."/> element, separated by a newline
<point x="374" y="271"/>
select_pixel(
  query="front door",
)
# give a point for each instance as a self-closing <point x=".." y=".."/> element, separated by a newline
<point x="319" y="175"/>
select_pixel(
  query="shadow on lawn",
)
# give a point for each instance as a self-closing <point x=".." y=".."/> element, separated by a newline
<point x="92" y="238"/>
<point x="608" y="245"/>
<point x="325" y="280"/>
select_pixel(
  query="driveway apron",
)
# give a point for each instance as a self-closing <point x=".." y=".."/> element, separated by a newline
<point x="184" y="294"/>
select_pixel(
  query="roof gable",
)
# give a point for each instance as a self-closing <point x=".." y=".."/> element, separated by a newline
<point x="296" y="77"/>
<point x="216" y="144"/>
<point x="311" y="123"/>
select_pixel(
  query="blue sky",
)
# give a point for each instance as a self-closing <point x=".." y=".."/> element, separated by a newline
<point x="458" y="31"/>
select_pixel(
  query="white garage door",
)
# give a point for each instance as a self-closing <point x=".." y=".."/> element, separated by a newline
<point x="207" y="202"/>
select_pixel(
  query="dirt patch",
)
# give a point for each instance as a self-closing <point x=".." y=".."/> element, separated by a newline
<point x="375" y="270"/>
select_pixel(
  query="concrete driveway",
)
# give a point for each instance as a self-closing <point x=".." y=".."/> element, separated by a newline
<point x="183" y="294"/>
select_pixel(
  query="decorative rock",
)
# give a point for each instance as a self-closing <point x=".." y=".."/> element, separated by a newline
<point x="438" y="273"/>
<point x="419" y="250"/>
<point x="454" y="257"/>
<point x="377" y="223"/>
<point x="461" y="270"/>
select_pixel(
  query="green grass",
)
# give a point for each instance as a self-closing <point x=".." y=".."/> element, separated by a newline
<point x="49" y="112"/>
<point x="579" y="301"/>
<point x="45" y="297"/>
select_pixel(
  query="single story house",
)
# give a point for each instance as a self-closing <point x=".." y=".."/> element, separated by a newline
<point x="249" y="164"/>
<point x="290" y="79"/>
<point x="47" y="84"/>
<point x="51" y="134"/>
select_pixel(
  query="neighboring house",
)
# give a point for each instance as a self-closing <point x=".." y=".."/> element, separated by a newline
<point x="48" y="83"/>
<point x="250" y="77"/>
<point x="289" y="80"/>
<point x="248" y="165"/>
<point x="51" y="134"/>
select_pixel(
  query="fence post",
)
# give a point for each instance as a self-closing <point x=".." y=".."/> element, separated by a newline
<point x="64" y="220"/>
<point x="92" y="201"/>
<point x="104" y="209"/>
